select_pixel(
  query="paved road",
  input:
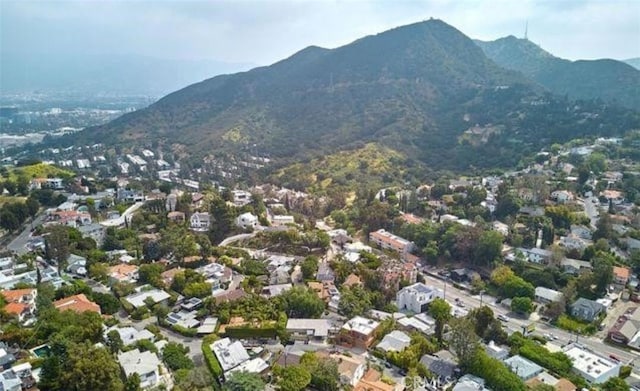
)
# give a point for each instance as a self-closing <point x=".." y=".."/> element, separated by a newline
<point x="516" y="324"/>
<point x="235" y="238"/>
<point x="18" y="244"/>
<point x="591" y="208"/>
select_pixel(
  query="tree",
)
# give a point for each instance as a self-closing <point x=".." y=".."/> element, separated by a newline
<point x="324" y="372"/>
<point x="522" y="305"/>
<point x="114" y="342"/>
<point x="132" y="383"/>
<point x="80" y="367"/>
<point x="615" y="384"/>
<point x="489" y="247"/>
<point x="354" y="301"/>
<point x="463" y="340"/>
<point x="151" y="274"/>
<point x="293" y="378"/>
<point x="243" y="381"/>
<point x="440" y="311"/>
<point x="604" y="227"/>
<point x="99" y="271"/>
<point x="602" y="271"/>
<point x="57" y="246"/>
<point x="301" y="302"/>
<point x="175" y="356"/>
<point x="482" y="318"/>
<point x="309" y="267"/>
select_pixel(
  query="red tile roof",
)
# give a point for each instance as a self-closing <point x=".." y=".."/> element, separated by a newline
<point x="78" y="303"/>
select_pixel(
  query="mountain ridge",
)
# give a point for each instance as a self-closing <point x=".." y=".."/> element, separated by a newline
<point x="418" y="88"/>
<point x="606" y="79"/>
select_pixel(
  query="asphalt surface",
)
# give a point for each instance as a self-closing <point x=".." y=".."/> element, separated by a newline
<point x="516" y="323"/>
<point x="18" y="244"/>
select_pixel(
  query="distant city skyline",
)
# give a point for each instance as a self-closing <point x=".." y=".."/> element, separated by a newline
<point x="262" y="32"/>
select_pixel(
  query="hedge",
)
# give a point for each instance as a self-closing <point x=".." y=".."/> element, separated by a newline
<point x="251" y="332"/>
<point x="211" y="360"/>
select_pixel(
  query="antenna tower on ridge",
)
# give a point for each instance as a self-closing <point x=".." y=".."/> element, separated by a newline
<point x="526" y="30"/>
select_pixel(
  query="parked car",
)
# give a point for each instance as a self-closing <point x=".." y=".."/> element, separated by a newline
<point x="503" y="318"/>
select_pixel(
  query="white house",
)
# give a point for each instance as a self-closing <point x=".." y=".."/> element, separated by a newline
<point x="145" y="364"/>
<point x="562" y="196"/>
<point x="200" y="221"/>
<point x="247" y="220"/>
<point x="229" y="354"/>
<point x="545" y="295"/>
<point x="416" y="297"/>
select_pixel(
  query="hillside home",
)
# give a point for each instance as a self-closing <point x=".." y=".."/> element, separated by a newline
<point x="20" y="303"/>
<point x="536" y="255"/>
<point x="416" y="297"/>
<point x="350" y="368"/>
<point x="575" y="266"/>
<point x="395" y="341"/>
<point x="522" y="367"/>
<point x="247" y="220"/>
<point x="358" y="332"/>
<point x="200" y="221"/>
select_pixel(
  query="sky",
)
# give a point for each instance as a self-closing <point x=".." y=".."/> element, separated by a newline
<point x="264" y="31"/>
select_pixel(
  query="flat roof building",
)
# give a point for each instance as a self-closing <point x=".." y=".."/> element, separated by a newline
<point x="592" y="367"/>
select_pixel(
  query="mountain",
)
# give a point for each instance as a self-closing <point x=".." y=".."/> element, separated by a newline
<point x="610" y="80"/>
<point x="634" y="62"/>
<point x="82" y="73"/>
<point x="424" y="90"/>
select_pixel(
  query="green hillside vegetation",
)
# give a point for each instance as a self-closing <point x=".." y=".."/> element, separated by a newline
<point x="414" y="89"/>
<point x="373" y="164"/>
<point x="38" y="170"/>
<point x="609" y="80"/>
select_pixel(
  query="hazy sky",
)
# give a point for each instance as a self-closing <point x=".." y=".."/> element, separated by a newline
<point x="261" y="32"/>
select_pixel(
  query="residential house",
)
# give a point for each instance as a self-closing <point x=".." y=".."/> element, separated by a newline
<point x="358" y="332"/>
<point x="280" y="220"/>
<point x="229" y="354"/>
<point x="496" y="351"/>
<point x="130" y="335"/>
<point x="350" y="368"/>
<point x="197" y="200"/>
<point x="94" y="231"/>
<point x="416" y="297"/>
<point x="352" y="280"/>
<point x="200" y="221"/>
<point x="625" y="330"/>
<point x="168" y="275"/>
<point x="316" y="330"/>
<point x="587" y="310"/>
<point x="572" y="242"/>
<point x="176" y="216"/>
<point x="581" y="231"/>
<point x="247" y="221"/>
<point x="593" y="367"/>
<point x="77" y="265"/>
<point x="536" y="255"/>
<point x="229" y="296"/>
<point x="574" y="266"/>
<point x="20" y="303"/>
<point x="123" y="273"/>
<point x="139" y="299"/>
<point x="470" y="383"/>
<point x="413" y="323"/>
<point x="78" y="303"/>
<point x="388" y="241"/>
<point x="129" y="195"/>
<point x="372" y="381"/>
<point x="395" y="341"/>
<point x="522" y="367"/>
<point x="621" y="275"/>
<point x="6" y="358"/>
<point x="145" y="364"/>
<point x="184" y="319"/>
<point x="275" y="290"/>
<point x="442" y="366"/>
<point x="18" y="377"/>
<point x="208" y="326"/>
<point x="500" y="227"/>
<point x="545" y="295"/>
<point x="241" y="197"/>
<point x="562" y="196"/>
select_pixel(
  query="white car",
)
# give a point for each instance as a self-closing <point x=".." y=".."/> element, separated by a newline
<point x="503" y="318"/>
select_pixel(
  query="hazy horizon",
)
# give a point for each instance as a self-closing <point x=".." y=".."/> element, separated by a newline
<point x="201" y="39"/>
